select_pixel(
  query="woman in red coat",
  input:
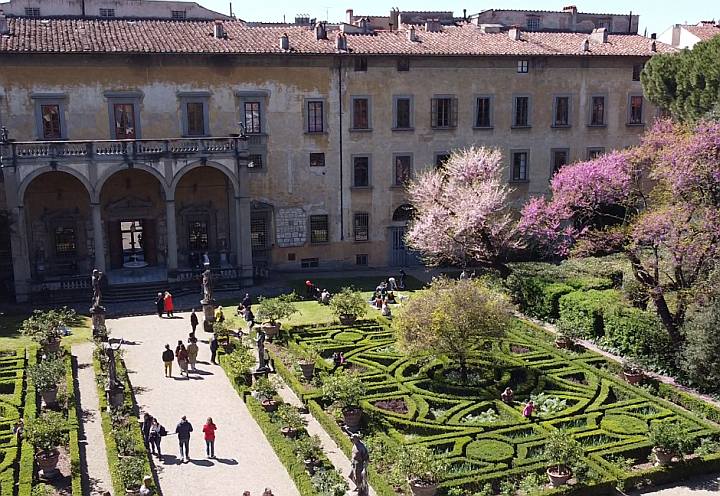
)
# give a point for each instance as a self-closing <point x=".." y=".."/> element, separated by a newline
<point x="168" y="302"/>
<point x="209" y="430"/>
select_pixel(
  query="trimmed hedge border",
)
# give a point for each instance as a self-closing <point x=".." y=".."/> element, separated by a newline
<point x="27" y="452"/>
<point x="75" y="465"/>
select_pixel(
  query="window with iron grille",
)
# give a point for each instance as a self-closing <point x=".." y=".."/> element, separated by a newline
<point x="258" y="232"/>
<point x="315" y="116"/>
<point x="309" y="263"/>
<point x="521" y="118"/>
<point x="361" y="172"/>
<point x="361" y="113"/>
<point x="197" y="236"/>
<point x="32" y="11"/>
<point x="482" y="117"/>
<point x="51" y="121"/>
<point x="403" y="113"/>
<point x="252" y="117"/>
<point x="593" y="153"/>
<point x="178" y="14"/>
<point x="256" y="160"/>
<point x="403" y="169"/>
<point x="195" y="118"/>
<point x="637" y="71"/>
<point x="636" y="110"/>
<point x="559" y="158"/>
<point x="519" y="166"/>
<point x="361" y="224"/>
<point x="107" y="12"/>
<point x="319" y="229"/>
<point x="361" y="259"/>
<point x="523" y="66"/>
<point x="317" y="160"/>
<point x="561" y="115"/>
<point x="444" y="113"/>
<point x="403" y="64"/>
<point x="361" y="64"/>
<point x="65" y="242"/>
<point x="597" y="111"/>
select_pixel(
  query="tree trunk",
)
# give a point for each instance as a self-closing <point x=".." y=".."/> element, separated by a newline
<point x="667" y="318"/>
<point x="463" y="371"/>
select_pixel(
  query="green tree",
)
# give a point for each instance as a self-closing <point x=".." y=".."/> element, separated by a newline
<point x="449" y="318"/>
<point x="686" y="83"/>
<point x="700" y="360"/>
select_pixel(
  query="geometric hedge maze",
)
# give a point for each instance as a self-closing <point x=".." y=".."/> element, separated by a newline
<point x="422" y="401"/>
<point x="12" y="375"/>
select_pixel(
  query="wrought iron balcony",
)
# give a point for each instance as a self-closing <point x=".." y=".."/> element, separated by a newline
<point x="17" y="152"/>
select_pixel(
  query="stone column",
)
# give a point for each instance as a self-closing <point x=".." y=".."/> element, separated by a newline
<point x="98" y="236"/>
<point x="172" y="263"/>
<point x="20" y="255"/>
<point x="242" y="239"/>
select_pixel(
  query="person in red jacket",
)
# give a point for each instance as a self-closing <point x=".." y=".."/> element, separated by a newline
<point x="209" y="430"/>
<point x="168" y="303"/>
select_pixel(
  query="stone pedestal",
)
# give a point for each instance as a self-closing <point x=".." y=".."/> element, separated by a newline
<point x="98" y="323"/>
<point x="208" y="315"/>
<point x="115" y="397"/>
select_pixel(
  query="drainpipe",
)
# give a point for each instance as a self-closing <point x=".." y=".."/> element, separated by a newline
<point x="340" y="107"/>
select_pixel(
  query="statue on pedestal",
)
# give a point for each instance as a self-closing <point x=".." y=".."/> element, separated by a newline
<point x="260" y="342"/>
<point x="207" y="286"/>
<point x="113" y="382"/>
<point x="96" y="280"/>
<point x="360" y="457"/>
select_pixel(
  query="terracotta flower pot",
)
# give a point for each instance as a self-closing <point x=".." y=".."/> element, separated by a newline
<point x="422" y="488"/>
<point x="563" y="343"/>
<point x="269" y="405"/>
<point x="352" y="417"/>
<point x="271" y="330"/>
<point x="52" y="346"/>
<point x="634" y="377"/>
<point x="662" y="457"/>
<point x="310" y="466"/>
<point x="47" y="462"/>
<point x="308" y="369"/>
<point x="289" y="432"/>
<point x="347" y="319"/>
<point x="49" y="396"/>
<point x="558" y="478"/>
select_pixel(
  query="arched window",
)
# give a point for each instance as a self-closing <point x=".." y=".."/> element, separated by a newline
<point x="403" y="213"/>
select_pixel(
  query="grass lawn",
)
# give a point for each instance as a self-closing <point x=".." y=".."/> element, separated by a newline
<point x="11" y="338"/>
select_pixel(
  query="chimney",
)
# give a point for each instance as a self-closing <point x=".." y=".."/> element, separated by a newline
<point x="432" y="25"/>
<point x="320" y="31"/>
<point x="341" y="41"/>
<point x="411" y="36"/>
<point x="585" y="45"/>
<point x="514" y="33"/>
<point x="349" y="16"/>
<point x="219" y="31"/>
<point x="364" y="24"/>
<point x="4" y="28"/>
<point x="653" y="36"/>
<point x="570" y="9"/>
<point x="394" y="18"/>
<point x="284" y="42"/>
<point x="599" y="35"/>
<point x="653" y="46"/>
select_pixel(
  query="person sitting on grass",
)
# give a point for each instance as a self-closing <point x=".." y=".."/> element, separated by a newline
<point x="378" y="302"/>
<point x="339" y="361"/>
<point x="385" y="309"/>
<point x="391" y="297"/>
<point x="528" y="410"/>
<point x="325" y="297"/>
<point x="507" y="396"/>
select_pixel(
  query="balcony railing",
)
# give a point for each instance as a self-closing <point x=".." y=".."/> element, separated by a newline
<point x="13" y="152"/>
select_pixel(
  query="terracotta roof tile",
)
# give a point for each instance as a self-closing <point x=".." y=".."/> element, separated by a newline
<point x="155" y="36"/>
<point x="704" y="32"/>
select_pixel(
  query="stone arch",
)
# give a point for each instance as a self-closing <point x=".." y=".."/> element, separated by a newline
<point x="403" y="213"/>
<point x="110" y="171"/>
<point x="60" y="168"/>
<point x="194" y="165"/>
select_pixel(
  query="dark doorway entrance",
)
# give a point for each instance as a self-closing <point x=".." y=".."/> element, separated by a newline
<point x="132" y="243"/>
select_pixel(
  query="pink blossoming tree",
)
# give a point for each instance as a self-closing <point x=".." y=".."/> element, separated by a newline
<point x="659" y="203"/>
<point x="462" y="211"/>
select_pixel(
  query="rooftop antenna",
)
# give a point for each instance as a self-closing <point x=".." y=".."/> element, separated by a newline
<point x="231" y="12"/>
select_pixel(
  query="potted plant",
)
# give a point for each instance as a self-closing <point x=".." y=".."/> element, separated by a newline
<point x="223" y="332"/>
<point x="633" y="373"/>
<point x="308" y="449"/>
<point x="47" y="327"/>
<point x="348" y="305"/>
<point x="290" y="419"/>
<point x="274" y="309"/>
<point x="669" y="439"/>
<point x="345" y="390"/>
<point x="265" y="392"/>
<point x="46" y="433"/>
<point x="421" y="467"/>
<point x="131" y="470"/>
<point x="307" y="356"/>
<point x="562" y="451"/>
<point x="240" y="363"/>
<point x="566" y="339"/>
<point x="46" y="375"/>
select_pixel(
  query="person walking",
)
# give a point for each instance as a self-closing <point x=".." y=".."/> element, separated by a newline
<point x="213" y="348"/>
<point x="249" y="317"/>
<point x="181" y="355"/>
<point x="168" y="304"/>
<point x="209" y="430"/>
<point x="192" y="351"/>
<point x="528" y="410"/>
<point x="146" y="423"/>
<point x="160" y="304"/>
<point x="247" y="301"/>
<point x="168" y="357"/>
<point x="157" y="432"/>
<point x="193" y="321"/>
<point x="183" y="430"/>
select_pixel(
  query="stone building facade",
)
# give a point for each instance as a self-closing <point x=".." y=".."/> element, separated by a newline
<point x="149" y="145"/>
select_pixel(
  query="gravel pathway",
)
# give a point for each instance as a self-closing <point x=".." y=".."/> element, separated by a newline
<point x="245" y="460"/>
<point x="93" y="457"/>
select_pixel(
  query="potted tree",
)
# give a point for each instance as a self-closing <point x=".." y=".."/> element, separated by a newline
<point x="47" y="327"/>
<point x="348" y="305"/>
<point x="422" y="469"/>
<point x="131" y="470"/>
<point x="633" y="373"/>
<point x="274" y="309"/>
<point x="669" y="439"/>
<point x="265" y="392"/>
<point x="345" y="390"/>
<point x="290" y="419"/>
<point x="561" y="451"/>
<point x="240" y="362"/>
<point x="46" y="375"/>
<point x="308" y="449"/>
<point x="307" y="356"/>
<point x="46" y="433"/>
<point x="565" y="339"/>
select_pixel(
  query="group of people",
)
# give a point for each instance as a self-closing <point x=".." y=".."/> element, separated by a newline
<point x="164" y="304"/>
<point x="508" y="397"/>
<point x="153" y="432"/>
<point x="186" y="356"/>
<point x="384" y="295"/>
<point x="244" y="310"/>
